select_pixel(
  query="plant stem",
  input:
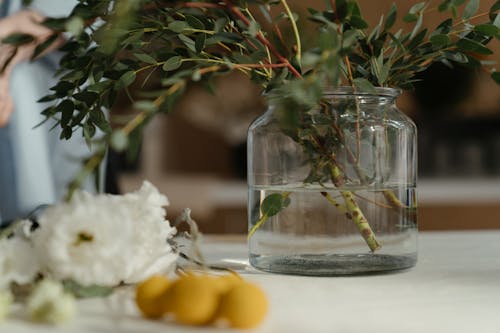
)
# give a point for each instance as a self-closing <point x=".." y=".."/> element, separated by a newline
<point x="356" y="102"/>
<point x="337" y="205"/>
<point x="351" y="208"/>
<point x="201" y="5"/>
<point x="356" y="214"/>
<point x="294" y="28"/>
<point x="361" y="221"/>
<point x="260" y="36"/>
<point x="388" y="194"/>
<point x="257" y="225"/>
<point x="89" y="166"/>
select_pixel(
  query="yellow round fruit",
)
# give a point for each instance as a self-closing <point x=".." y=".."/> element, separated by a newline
<point x="148" y="296"/>
<point x="244" y="306"/>
<point x="193" y="300"/>
<point x="226" y="282"/>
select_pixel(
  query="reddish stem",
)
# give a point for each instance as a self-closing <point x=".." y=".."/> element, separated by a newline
<point x="262" y="65"/>
<point x="262" y="39"/>
<point x="201" y="5"/>
<point x="279" y="34"/>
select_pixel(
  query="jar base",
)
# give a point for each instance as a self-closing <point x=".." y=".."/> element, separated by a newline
<point x="333" y="264"/>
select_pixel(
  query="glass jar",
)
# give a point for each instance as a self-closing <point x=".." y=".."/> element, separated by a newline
<point x="335" y="193"/>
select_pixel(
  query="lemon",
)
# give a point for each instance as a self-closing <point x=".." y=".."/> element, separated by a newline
<point x="192" y="299"/>
<point x="244" y="306"/>
<point x="148" y="296"/>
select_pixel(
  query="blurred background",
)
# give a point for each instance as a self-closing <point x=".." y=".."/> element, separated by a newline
<point x="197" y="154"/>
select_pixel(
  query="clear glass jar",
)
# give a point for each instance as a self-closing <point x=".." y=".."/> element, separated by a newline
<point x="335" y="194"/>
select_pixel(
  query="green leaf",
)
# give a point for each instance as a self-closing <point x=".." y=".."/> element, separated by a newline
<point x="487" y="29"/>
<point x="125" y="80"/>
<point x="219" y="24"/>
<point x="47" y="98"/>
<point x="199" y="43"/>
<point x="43" y="46"/>
<point x="133" y="38"/>
<point x="410" y="18"/>
<point x="81" y="291"/>
<point x="469" y="45"/>
<point x="66" y="108"/>
<point x="417" y="8"/>
<point x="496" y="76"/>
<point x="342" y="8"/>
<point x="194" y="22"/>
<point x="99" y="86"/>
<point x="17" y="39"/>
<point x="350" y="37"/>
<point x="66" y="133"/>
<point x="99" y="119"/>
<point x="145" y="58"/>
<point x="253" y="28"/>
<point x="73" y="76"/>
<point x="445" y="5"/>
<point x="188" y="42"/>
<point x="415" y="42"/>
<point x="445" y="26"/>
<point x="364" y="85"/>
<point x="353" y="8"/>
<point x="88" y="97"/>
<point x="89" y="131"/>
<point x="496" y="21"/>
<point x="172" y="64"/>
<point x="75" y="25"/>
<point x="177" y="26"/>
<point x="495" y="7"/>
<point x="274" y="203"/>
<point x="439" y="41"/>
<point x="63" y="87"/>
<point x="358" y="22"/>
<point x="470" y="9"/>
<point x="418" y="25"/>
<point x="56" y="24"/>
<point x="391" y="17"/>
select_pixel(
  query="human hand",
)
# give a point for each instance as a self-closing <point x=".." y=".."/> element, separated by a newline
<point x="26" y="22"/>
<point x="6" y="103"/>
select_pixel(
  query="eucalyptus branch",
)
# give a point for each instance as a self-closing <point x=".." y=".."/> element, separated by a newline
<point x="263" y="39"/>
<point x="185" y="42"/>
<point x="92" y="164"/>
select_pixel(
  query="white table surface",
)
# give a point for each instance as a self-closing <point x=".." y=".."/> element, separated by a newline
<point x="454" y="288"/>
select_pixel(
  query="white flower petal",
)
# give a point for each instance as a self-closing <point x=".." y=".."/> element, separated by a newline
<point x="18" y="261"/>
<point x="106" y="239"/>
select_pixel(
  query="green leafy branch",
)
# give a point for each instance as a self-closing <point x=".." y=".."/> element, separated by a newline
<point x="270" y="206"/>
<point x="118" y="45"/>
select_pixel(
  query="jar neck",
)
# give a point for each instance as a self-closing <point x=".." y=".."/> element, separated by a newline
<point x="380" y="95"/>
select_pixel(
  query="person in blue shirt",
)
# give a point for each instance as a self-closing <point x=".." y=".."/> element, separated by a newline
<point x="35" y="166"/>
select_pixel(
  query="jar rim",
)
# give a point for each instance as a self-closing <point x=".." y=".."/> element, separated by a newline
<point x="348" y="90"/>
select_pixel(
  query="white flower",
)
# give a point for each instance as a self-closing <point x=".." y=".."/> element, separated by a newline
<point x="5" y="303"/>
<point x="106" y="239"/>
<point x="48" y="303"/>
<point x="18" y="261"/>
<point x="151" y="252"/>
